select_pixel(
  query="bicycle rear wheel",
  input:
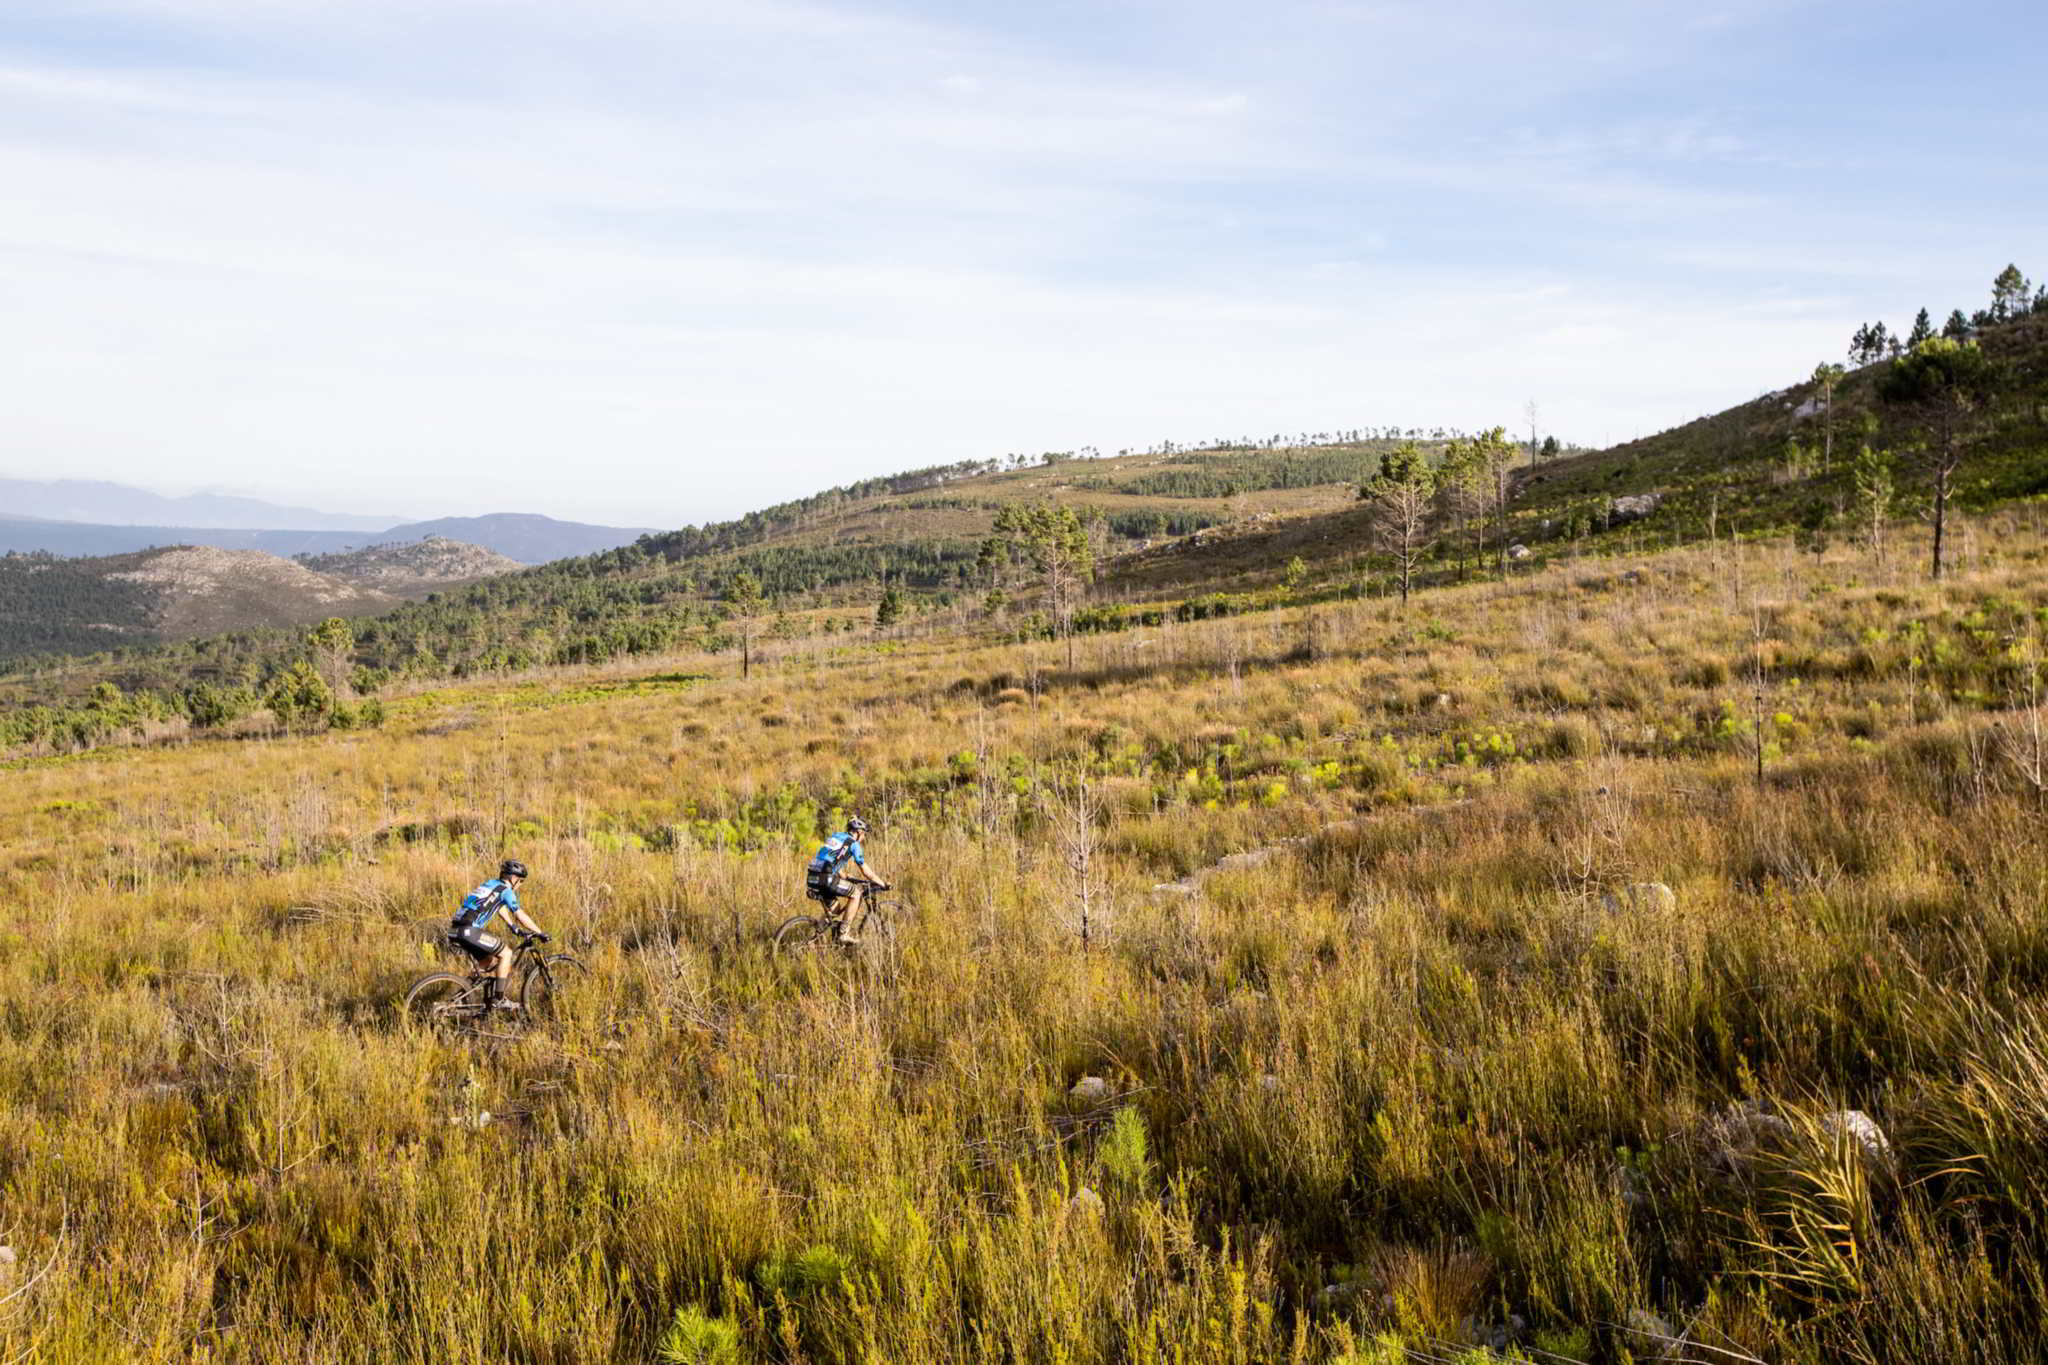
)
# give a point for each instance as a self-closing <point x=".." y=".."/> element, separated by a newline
<point x="799" y="934"/>
<point x="444" y="1000"/>
<point x="541" y="985"/>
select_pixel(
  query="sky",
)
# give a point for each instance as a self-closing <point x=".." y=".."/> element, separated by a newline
<point x="652" y="262"/>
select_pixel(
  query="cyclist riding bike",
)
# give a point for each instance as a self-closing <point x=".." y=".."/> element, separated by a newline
<point x="826" y="880"/>
<point x="471" y="930"/>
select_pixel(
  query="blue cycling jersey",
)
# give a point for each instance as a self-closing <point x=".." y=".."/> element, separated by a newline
<point x="836" y="853"/>
<point x="482" y="905"/>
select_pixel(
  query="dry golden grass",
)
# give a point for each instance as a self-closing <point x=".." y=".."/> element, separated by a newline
<point x="1427" y="1070"/>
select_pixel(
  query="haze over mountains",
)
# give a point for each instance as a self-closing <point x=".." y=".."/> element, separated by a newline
<point x="116" y="504"/>
<point x="90" y="517"/>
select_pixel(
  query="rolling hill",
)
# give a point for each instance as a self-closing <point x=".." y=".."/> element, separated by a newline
<point x="56" y="605"/>
<point x="412" y="568"/>
<point x="524" y="536"/>
<point x="1177" y="532"/>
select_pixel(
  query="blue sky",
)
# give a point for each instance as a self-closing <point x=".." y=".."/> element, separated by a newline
<point x="652" y="262"/>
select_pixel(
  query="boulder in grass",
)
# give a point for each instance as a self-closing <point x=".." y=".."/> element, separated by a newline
<point x="1090" y="1090"/>
<point x="1651" y="1337"/>
<point x="1641" y="897"/>
<point x="1519" y="552"/>
<point x="1736" y="1136"/>
<point x="1858" y="1126"/>
<point x="1632" y="507"/>
<point x="7" y="1259"/>
<point x="1086" y="1204"/>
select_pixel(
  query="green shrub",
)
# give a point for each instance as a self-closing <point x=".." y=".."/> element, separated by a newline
<point x="694" y="1337"/>
<point x="1125" y="1149"/>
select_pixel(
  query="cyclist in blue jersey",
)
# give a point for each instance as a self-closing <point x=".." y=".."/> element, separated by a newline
<point x="471" y="930"/>
<point x="826" y="880"/>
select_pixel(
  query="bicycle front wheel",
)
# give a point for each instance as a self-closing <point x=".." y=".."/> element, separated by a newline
<point x="443" y="1000"/>
<point x="541" y="986"/>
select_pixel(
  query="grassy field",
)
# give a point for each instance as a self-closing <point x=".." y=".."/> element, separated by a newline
<point x="1633" y="952"/>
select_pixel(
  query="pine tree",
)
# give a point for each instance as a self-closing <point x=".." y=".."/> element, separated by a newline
<point x="1826" y="376"/>
<point x="1957" y="328"/>
<point x="299" y="693"/>
<point x="1496" y="455"/>
<point x="1923" y="328"/>
<point x="1942" y="383"/>
<point x="889" y="610"/>
<point x="2011" y="295"/>
<point x="332" y="642"/>
<point x="1400" y="496"/>
<point x="1055" y="541"/>
<point x="1874" y="489"/>
<point x="743" y="603"/>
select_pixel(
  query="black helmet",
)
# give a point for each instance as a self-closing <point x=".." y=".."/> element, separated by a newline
<point x="856" y="826"/>
<point x="511" y="867"/>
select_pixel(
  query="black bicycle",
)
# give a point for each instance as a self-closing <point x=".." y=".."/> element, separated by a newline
<point x="459" y="999"/>
<point x="803" y="934"/>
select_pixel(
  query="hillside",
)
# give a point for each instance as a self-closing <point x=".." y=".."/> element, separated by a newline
<point x="922" y="529"/>
<point x="523" y="536"/>
<point x="200" y="590"/>
<point x="1178" y="532"/>
<point x="52" y="604"/>
<point x="1618" y="955"/>
<point x="413" y="568"/>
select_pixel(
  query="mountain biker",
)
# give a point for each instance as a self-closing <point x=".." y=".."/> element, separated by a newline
<point x="825" y="883"/>
<point x="470" y="931"/>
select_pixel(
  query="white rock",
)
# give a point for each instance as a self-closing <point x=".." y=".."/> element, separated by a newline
<point x="1633" y="506"/>
<point x="1090" y="1090"/>
<point x="1646" y="1323"/>
<point x="1854" y="1123"/>
<point x="1641" y="897"/>
<point x="1251" y="857"/>
<point x="1086" y="1203"/>
<point x="1519" y="552"/>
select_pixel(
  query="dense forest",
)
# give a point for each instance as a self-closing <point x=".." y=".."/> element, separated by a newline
<point x="50" y="604"/>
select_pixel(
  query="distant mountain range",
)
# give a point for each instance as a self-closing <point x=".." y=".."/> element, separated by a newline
<point x="115" y="504"/>
<point x="526" y="537"/>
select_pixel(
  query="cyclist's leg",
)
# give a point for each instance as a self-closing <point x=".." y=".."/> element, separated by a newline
<point x="856" y="911"/>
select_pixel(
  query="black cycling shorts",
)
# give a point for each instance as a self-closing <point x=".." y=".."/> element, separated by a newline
<point x="478" y="942"/>
<point x="828" y="890"/>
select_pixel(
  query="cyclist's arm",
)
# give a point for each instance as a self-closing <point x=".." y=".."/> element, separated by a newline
<point x="523" y="920"/>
